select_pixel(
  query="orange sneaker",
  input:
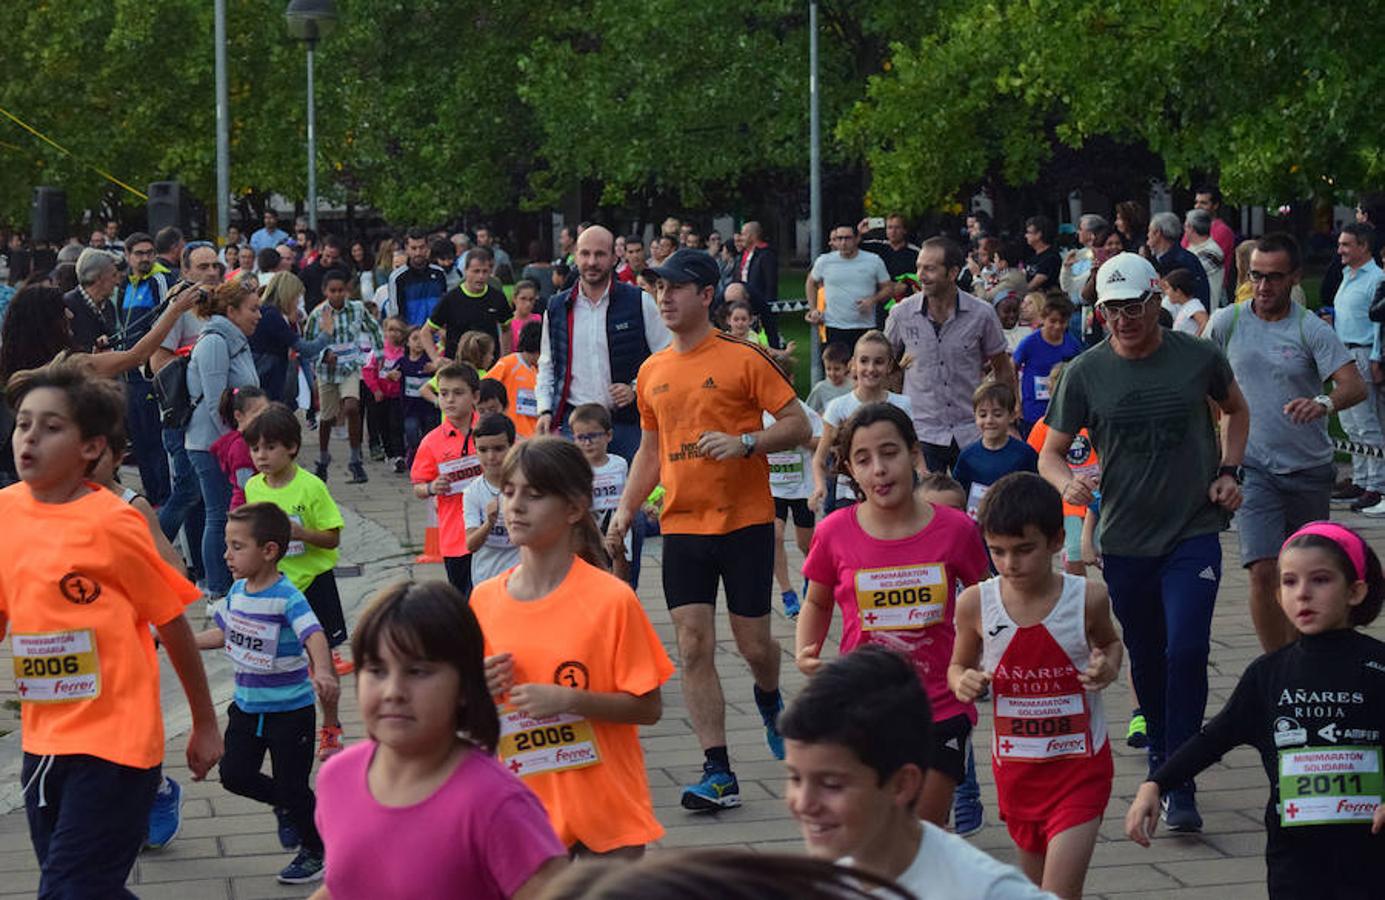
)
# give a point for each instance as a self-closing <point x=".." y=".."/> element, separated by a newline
<point x="343" y="665"/>
<point x="328" y="741"/>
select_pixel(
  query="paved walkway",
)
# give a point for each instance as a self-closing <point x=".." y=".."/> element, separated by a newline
<point x="227" y="847"/>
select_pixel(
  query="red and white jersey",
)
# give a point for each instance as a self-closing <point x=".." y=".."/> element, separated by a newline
<point x="1042" y="712"/>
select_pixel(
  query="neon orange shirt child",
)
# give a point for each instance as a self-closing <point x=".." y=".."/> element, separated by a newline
<point x="591" y="633"/>
<point x="520" y="380"/>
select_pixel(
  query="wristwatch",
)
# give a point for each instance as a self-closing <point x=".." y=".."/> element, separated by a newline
<point x="1233" y="471"/>
<point x="748" y="444"/>
<point x="1326" y="403"/>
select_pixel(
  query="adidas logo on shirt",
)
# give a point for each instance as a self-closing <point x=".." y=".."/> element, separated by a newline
<point x="709" y="383"/>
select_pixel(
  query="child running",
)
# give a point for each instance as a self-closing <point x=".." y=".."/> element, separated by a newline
<point x="1038" y="353"/>
<point x="269" y="632"/>
<point x="519" y="373"/>
<point x="1314" y="710"/>
<point x="1083" y="461"/>
<point x="422" y="808"/>
<point x="790" y="483"/>
<point x="238" y="408"/>
<point x="525" y="298"/>
<point x="591" y="430"/>
<point x="338" y="370"/>
<point x="1045" y="644"/>
<point x="416" y="367"/>
<point x="836" y="362"/>
<point x="998" y="453"/>
<point x="873" y="360"/>
<point x="446" y="464"/>
<point x="893" y="563"/>
<point x="79" y="604"/>
<point x="486" y="538"/>
<point x="575" y="658"/>
<point x="385" y="381"/>
<point x="274" y="438"/>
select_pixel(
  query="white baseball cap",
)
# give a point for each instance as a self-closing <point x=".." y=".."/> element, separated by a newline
<point x="1126" y="276"/>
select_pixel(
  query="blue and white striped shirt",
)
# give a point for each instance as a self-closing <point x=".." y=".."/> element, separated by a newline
<point x="265" y="634"/>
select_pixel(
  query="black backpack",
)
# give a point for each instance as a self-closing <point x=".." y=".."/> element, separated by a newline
<point x="171" y="392"/>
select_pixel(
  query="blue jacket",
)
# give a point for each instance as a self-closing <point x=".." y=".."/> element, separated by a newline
<point x="625" y="342"/>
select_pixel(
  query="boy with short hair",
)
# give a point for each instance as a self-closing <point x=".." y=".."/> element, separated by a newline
<point x="446" y="464"/>
<point x="998" y="453"/>
<point x="274" y="438"/>
<point x="591" y="429"/>
<point x="492" y="398"/>
<point x="519" y="373"/>
<point x="942" y="489"/>
<point x="268" y="630"/>
<point x="487" y="539"/>
<point x="857" y="740"/>
<point x="1038" y="353"/>
<point x="355" y="334"/>
<point x="79" y="602"/>
<point x="1045" y="644"/>
<point x="836" y="361"/>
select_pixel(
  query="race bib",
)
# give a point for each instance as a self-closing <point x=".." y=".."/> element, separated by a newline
<point x="901" y="597"/>
<point x="499" y="536"/>
<point x="413" y="385"/>
<point x="1040" y="728"/>
<point x="346" y="354"/>
<point x="460" y="472"/>
<point x="1041" y="387"/>
<point x="1328" y="785"/>
<point x="251" y="643"/>
<point x="606" y="491"/>
<point x="530" y="745"/>
<point x="296" y="548"/>
<point x="785" y="468"/>
<point x="974" y="497"/>
<point x="57" y="667"/>
<point x="526" y="403"/>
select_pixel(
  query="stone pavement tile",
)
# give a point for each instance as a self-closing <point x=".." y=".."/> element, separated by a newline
<point x="726" y="830"/>
<point x="1232" y="870"/>
<point x="16" y="860"/>
<point x="184" y="846"/>
<point x="254" y="843"/>
<point x="153" y="871"/>
<point x="1126" y="852"/>
<point x="267" y="888"/>
<point x="1223" y="892"/>
<point x="200" y="889"/>
<point x="1245" y="843"/>
<point x="1101" y="879"/>
<point x="260" y="822"/>
<point x="20" y="884"/>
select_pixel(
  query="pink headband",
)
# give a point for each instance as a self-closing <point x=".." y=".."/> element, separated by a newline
<point x="1350" y="542"/>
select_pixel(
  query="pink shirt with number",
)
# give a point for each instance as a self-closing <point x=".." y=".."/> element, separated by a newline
<point x="902" y="594"/>
<point x="482" y="833"/>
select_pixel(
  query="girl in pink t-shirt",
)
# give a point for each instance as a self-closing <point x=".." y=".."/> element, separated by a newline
<point x="894" y="564"/>
<point x="526" y="296"/>
<point x="423" y="808"/>
<point x="238" y="408"/>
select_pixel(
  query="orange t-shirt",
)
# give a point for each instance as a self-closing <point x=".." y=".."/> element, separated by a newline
<point x="1082" y="459"/>
<point x="520" y="380"/>
<point x="591" y="633"/>
<point x="79" y="601"/>
<point x="448" y="450"/>
<point x="723" y="384"/>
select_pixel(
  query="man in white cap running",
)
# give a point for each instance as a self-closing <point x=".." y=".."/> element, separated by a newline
<point x="1167" y="489"/>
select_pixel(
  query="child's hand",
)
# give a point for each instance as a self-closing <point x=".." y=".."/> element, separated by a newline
<point x="1079" y="491"/>
<point x="540" y="700"/>
<point x="204" y="750"/>
<point x="1101" y="671"/>
<point x="815" y="498"/>
<point x="492" y="510"/>
<point x="295" y="530"/>
<point x="971" y="685"/>
<point x="441" y="485"/>
<point x="326" y="685"/>
<point x="392" y="375"/>
<point x="807" y="659"/>
<point x="1143" y="815"/>
<point x="906" y="361"/>
<point x="500" y="673"/>
<point x="1378" y="820"/>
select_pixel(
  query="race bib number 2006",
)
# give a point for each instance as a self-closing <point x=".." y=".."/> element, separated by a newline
<point x="899" y="597"/>
<point x="529" y="745"/>
<point x="56" y="668"/>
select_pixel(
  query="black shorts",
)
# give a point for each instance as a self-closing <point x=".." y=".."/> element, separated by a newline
<point x="742" y="559"/>
<point x="950" y="740"/>
<point x="322" y="596"/>
<point x="802" y="515"/>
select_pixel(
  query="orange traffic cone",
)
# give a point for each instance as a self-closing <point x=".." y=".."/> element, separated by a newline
<point x="432" y="546"/>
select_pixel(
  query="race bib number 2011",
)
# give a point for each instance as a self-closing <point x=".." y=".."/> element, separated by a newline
<point x="1328" y="785"/>
<point x="56" y="668"/>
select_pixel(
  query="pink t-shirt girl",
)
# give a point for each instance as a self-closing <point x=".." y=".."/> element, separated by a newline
<point x="517" y="325"/>
<point x="483" y="833"/>
<point x="902" y="594"/>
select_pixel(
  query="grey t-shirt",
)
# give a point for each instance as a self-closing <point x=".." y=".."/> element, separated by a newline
<point x="824" y="392"/>
<point x="1153" y="431"/>
<point x="1276" y="362"/>
<point x="183" y="333"/>
<point x="846" y="281"/>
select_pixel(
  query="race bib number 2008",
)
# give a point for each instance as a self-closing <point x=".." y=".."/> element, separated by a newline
<point x="56" y="668"/>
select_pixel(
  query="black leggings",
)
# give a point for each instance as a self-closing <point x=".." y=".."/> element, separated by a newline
<point x="288" y="736"/>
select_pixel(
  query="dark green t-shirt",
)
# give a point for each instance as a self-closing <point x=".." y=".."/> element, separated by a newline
<point x="1152" y="428"/>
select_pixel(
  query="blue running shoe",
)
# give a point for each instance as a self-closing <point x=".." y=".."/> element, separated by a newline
<point x="717" y="790"/>
<point x="968" y="815"/>
<point x="166" y="815"/>
<point x="288" y="832"/>
<point x="1180" y="811"/>
<point x="772" y="735"/>
<point x="306" y="867"/>
<point x="791" y="605"/>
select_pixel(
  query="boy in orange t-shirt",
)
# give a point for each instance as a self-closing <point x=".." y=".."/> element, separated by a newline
<point x="446" y="463"/>
<point x="574" y="658"/>
<point x="519" y="373"/>
<point x="701" y="402"/>
<point x="79" y="604"/>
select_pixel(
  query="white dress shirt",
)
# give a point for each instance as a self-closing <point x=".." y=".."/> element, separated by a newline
<point x="591" y="357"/>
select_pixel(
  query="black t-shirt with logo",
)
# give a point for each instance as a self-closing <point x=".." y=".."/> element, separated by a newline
<point x="1046" y="263"/>
<point x="459" y="312"/>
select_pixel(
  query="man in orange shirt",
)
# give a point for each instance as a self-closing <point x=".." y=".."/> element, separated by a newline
<point x="700" y="403"/>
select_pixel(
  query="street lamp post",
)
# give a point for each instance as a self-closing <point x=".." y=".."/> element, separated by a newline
<point x="310" y="21"/>
<point x="814" y="176"/>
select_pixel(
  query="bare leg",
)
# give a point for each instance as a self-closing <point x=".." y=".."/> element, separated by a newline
<point x="781" y="559"/>
<point x="352" y="410"/>
<point x="695" y="624"/>
<point x="759" y="649"/>
<point x="1032" y="865"/>
<point x="1273" y="629"/>
<point x="804" y="538"/>
<point x="324" y="435"/>
<point x="1069" y="854"/>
